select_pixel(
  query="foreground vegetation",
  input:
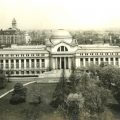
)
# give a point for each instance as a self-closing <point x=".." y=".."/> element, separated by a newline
<point x="89" y="94"/>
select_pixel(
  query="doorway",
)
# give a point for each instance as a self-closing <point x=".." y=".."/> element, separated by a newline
<point x="62" y="63"/>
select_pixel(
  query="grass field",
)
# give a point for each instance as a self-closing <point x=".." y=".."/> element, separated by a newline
<point x="27" y="111"/>
<point x="43" y="111"/>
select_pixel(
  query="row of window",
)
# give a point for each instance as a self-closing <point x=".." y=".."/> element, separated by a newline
<point x="81" y="54"/>
<point x="21" y="55"/>
<point x="24" y="72"/>
<point x="96" y="61"/>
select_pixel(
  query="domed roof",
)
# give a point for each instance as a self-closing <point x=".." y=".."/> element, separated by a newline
<point x="60" y="33"/>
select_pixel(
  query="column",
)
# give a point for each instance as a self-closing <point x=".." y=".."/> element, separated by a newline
<point x="99" y="62"/>
<point x="94" y="61"/>
<point x="56" y="62"/>
<point x="118" y="62"/>
<point x="60" y="62"/>
<point x="35" y="64"/>
<point x="20" y="64"/>
<point x="69" y="63"/>
<point x="65" y="62"/>
<point x="9" y="63"/>
<point x="84" y="64"/>
<point x="14" y="63"/>
<point x="4" y="64"/>
<point x="114" y="61"/>
<point x="53" y="61"/>
<point x="40" y="63"/>
<point x="24" y="63"/>
<point x="30" y="63"/>
<point x="77" y="62"/>
<point x="104" y="60"/>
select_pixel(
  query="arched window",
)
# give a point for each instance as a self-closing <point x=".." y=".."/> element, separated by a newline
<point x="62" y="48"/>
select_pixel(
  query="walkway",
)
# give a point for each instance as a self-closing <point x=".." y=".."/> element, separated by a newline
<point x="3" y="95"/>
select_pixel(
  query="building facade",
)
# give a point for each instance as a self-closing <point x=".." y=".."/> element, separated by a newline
<point x="60" y="51"/>
<point x="12" y="35"/>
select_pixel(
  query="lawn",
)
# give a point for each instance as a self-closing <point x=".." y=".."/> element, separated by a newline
<point x="9" y="86"/>
<point x="43" y="111"/>
<point x="27" y="111"/>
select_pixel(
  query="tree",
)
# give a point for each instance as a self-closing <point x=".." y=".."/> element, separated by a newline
<point x="75" y="103"/>
<point x="60" y="91"/>
<point x="94" y="99"/>
<point x="109" y="76"/>
<point x="19" y="94"/>
<point x="3" y="80"/>
<point x="110" y="79"/>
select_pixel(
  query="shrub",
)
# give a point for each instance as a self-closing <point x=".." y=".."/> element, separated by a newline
<point x="16" y="99"/>
<point x="3" y="80"/>
<point x="19" y="94"/>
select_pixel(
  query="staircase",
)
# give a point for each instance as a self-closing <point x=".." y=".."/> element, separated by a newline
<point x="53" y="76"/>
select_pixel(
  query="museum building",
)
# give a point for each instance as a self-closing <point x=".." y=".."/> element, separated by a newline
<point x="59" y="52"/>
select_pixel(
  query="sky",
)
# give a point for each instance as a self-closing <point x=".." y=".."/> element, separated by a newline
<point x="60" y="14"/>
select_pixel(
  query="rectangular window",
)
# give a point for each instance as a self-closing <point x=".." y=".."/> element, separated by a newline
<point x="62" y="48"/>
<point x="116" y="60"/>
<point x="81" y="61"/>
<point x="1" y="64"/>
<point x="111" y="59"/>
<point x="32" y="63"/>
<point x="27" y="63"/>
<point x="12" y="64"/>
<point x="17" y="63"/>
<point x="38" y="63"/>
<point x="7" y="64"/>
<point x="22" y="63"/>
<point x="42" y="54"/>
<point x="43" y="63"/>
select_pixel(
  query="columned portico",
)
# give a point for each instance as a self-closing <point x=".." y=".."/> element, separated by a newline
<point x="62" y="62"/>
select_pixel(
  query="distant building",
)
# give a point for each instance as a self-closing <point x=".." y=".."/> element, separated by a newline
<point x="59" y="52"/>
<point x="27" y="38"/>
<point x="12" y="35"/>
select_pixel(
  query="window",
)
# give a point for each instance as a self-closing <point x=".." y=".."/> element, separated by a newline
<point x="22" y="63"/>
<point x="62" y="48"/>
<point x="17" y="63"/>
<point x="43" y="63"/>
<point x="7" y="64"/>
<point x="38" y="72"/>
<point x="17" y="72"/>
<point x="22" y="72"/>
<point x="27" y="72"/>
<point x="38" y="63"/>
<point x="12" y="64"/>
<point x="42" y="54"/>
<point x="27" y="63"/>
<point x="1" y="64"/>
<point x="32" y="63"/>
<point x="33" y="72"/>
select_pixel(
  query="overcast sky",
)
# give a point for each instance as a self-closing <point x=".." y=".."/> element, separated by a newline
<point x="66" y="14"/>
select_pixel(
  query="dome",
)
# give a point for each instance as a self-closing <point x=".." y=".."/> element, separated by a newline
<point x="60" y="34"/>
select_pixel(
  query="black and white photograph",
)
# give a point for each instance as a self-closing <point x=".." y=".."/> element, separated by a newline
<point x="59" y="59"/>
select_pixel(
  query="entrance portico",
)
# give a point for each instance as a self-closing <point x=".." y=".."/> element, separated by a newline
<point x="61" y="62"/>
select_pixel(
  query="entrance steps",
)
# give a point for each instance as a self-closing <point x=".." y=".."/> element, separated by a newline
<point x="46" y="77"/>
<point x="54" y="75"/>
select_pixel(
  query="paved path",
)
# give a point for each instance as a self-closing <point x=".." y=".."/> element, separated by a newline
<point x="3" y="95"/>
